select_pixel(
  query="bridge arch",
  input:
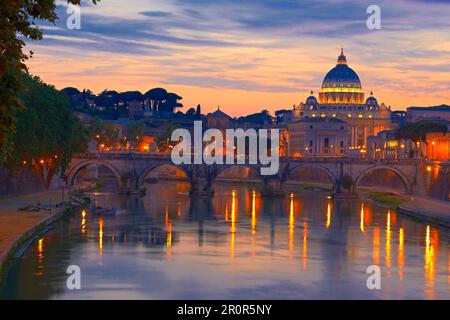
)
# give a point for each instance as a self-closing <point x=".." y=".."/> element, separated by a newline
<point x="155" y="166"/>
<point x="332" y="177"/>
<point x="253" y="168"/>
<point x="403" y="177"/>
<point x="73" y="172"/>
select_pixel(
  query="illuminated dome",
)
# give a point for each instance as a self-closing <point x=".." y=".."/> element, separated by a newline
<point x="372" y="101"/>
<point x="341" y="76"/>
<point x="311" y="100"/>
<point x="341" y="85"/>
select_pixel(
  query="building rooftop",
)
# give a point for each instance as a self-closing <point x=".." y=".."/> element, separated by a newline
<point x="218" y="113"/>
<point x="442" y="107"/>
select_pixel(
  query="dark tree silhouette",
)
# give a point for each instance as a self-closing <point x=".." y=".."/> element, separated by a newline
<point x="18" y="19"/>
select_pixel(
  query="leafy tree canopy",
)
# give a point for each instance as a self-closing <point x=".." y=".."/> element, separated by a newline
<point x="135" y="133"/>
<point x="417" y="131"/>
<point x="47" y="132"/>
<point x="18" y="21"/>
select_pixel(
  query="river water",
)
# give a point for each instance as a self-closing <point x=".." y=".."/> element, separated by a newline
<point x="235" y="246"/>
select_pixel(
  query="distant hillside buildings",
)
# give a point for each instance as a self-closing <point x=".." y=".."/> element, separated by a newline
<point x="341" y="122"/>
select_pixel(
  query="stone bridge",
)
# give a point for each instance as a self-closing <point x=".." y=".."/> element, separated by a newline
<point x="131" y="170"/>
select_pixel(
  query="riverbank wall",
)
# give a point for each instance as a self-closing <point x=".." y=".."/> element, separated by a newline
<point x="440" y="219"/>
<point x="26" y="238"/>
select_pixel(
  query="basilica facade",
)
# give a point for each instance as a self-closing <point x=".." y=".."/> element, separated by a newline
<point x="341" y="98"/>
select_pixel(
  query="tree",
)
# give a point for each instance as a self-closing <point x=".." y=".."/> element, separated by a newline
<point x="170" y="102"/>
<point x="109" y="136"/>
<point x="135" y="133"/>
<point x="18" y="19"/>
<point x="156" y="97"/>
<point x="163" y="140"/>
<point x="417" y="131"/>
<point x="161" y="100"/>
<point x="47" y="132"/>
<point x="95" y="127"/>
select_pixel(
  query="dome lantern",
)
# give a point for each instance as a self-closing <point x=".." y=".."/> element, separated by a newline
<point x="342" y="59"/>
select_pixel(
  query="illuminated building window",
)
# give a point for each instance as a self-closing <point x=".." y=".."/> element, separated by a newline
<point x="349" y="115"/>
<point x="323" y="115"/>
<point x="313" y="115"/>
<point x="360" y="115"/>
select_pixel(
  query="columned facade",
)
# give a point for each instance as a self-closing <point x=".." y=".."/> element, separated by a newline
<point x="342" y="97"/>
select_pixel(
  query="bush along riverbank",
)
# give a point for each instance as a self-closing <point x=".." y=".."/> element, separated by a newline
<point x="422" y="209"/>
<point x="386" y="199"/>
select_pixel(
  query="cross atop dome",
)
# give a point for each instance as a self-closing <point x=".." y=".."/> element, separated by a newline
<point x="342" y="59"/>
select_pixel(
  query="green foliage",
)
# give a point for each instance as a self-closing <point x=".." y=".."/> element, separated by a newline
<point x="135" y="133"/>
<point x="388" y="199"/>
<point x="95" y="127"/>
<point x="161" y="100"/>
<point x="107" y="135"/>
<point x="17" y="19"/>
<point x="417" y="131"/>
<point x="47" y="132"/>
<point x="110" y="136"/>
<point x="163" y="140"/>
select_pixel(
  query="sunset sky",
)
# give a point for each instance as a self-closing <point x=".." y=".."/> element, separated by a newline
<point x="249" y="55"/>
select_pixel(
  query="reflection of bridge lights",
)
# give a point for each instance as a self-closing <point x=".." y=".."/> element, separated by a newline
<point x="253" y="212"/>
<point x="430" y="246"/>
<point x="100" y="237"/>
<point x="361" y="222"/>
<point x="328" y="215"/>
<point x="305" y="245"/>
<point x="388" y="240"/>
<point x="401" y="252"/>
<point x="233" y="222"/>
<point x="41" y="245"/>
<point x="40" y="257"/>
<point x="376" y="246"/>
<point x="233" y="211"/>
<point x="291" y="223"/>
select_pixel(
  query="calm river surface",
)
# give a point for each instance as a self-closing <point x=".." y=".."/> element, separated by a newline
<point x="235" y="246"/>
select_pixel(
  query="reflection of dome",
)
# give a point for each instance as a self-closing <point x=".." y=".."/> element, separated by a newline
<point x="372" y="101"/>
<point x="311" y="100"/>
<point x="341" y="76"/>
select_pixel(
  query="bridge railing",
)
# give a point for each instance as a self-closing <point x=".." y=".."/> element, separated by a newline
<point x="166" y="155"/>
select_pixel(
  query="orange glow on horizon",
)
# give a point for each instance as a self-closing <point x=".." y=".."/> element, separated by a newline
<point x="133" y="72"/>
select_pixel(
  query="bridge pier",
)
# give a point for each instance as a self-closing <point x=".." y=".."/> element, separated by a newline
<point x="273" y="188"/>
<point x="129" y="186"/>
<point x="201" y="188"/>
